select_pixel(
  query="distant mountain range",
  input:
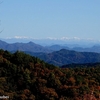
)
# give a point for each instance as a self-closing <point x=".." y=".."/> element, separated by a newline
<point x="32" y="47"/>
<point x="56" y="54"/>
<point x="95" y="48"/>
<point x="64" y="57"/>
<point x="70" y="41"/>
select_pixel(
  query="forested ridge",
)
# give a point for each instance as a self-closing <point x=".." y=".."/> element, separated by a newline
<point x="60" y="57"/>
<point x="64" y="56"/>
<point x="24" y="77"/>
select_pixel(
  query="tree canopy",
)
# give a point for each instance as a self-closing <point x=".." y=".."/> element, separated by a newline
<point x="24" y="77"/>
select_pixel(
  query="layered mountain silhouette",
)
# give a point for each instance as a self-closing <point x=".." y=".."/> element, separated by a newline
<point x="32" y="47"/>
<point x="52" y="56"/>
<point x="95" y="48"/>
<point x="64" y="57"/>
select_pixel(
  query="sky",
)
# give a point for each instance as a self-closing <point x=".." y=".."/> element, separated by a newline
<point x="78" y="19"/>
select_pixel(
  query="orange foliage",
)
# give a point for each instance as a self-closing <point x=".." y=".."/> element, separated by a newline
<point x="49" y="92"/>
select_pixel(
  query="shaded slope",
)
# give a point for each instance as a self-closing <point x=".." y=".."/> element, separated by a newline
<point x="64" y="56"/>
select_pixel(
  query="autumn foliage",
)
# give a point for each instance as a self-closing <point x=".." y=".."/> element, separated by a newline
<point x="23" y="77"/>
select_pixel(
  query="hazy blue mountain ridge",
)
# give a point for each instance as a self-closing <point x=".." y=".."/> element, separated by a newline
<point x="56" y="54"/>
<point x="64" y="57"/>
<point x="30" y="46"/>
<point x="95" y="48"/>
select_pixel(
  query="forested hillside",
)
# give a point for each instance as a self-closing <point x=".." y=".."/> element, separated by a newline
<point x="64" y="57"/>
<point x="23" y="77"/>
<point x="58" y="58"/>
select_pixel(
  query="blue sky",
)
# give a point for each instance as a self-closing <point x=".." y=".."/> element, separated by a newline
<point x="50" y="18"/>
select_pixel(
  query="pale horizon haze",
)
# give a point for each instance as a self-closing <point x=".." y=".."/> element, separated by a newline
<point x="79" y="19"/>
